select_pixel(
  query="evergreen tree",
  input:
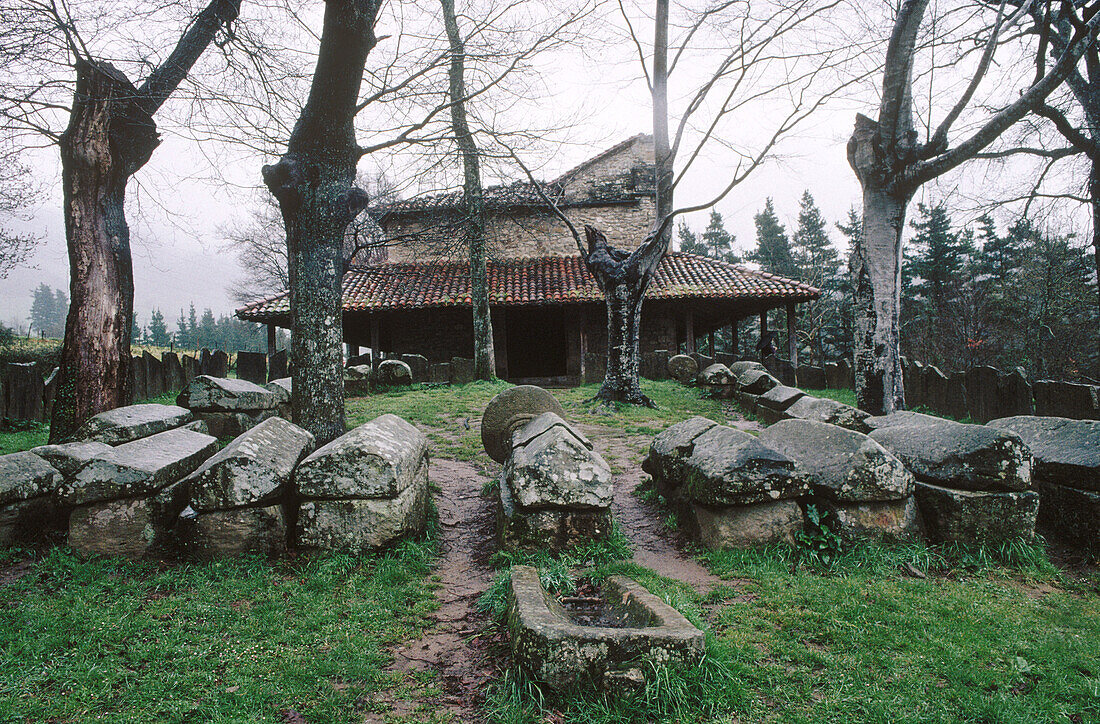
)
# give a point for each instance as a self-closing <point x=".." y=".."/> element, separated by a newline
<point x="818" y="264"/>
<point x="718" y="242"/>
<point x="158" y="330"/>
<point x="843" y="337"/>
<point x="135" y="331"/>
<point x="773" y="249"/>
<point x="207" y="335"/>
<point x="183" y="337"/>
<point x="689" y="242"/>
<point x="48" y="311"/>
<point x="192" y="328"/>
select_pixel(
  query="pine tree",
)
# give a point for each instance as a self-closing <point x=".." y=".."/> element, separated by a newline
<point x="192" y="328"/>
<point x="689" y="242"/>
<point x="844" y="336"/>
<point x="135" y="331"/>
<point x="48" y="310"/>
<point x="207" y="335"/>
<point x="718" y="242"/>
<point x="158" y="330"/>
<point x="773" y="249"/>
<point x="817" y="264"/>
<point x="181" y="336"/>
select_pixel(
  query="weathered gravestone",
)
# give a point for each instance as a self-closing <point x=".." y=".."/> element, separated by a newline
<point x="683" y="368"/>
<point x="139" y="379"/>
<point x="252" y="366"/>
<point x="28" y="508"/>
<point x="25" y="391"/>
<point x="190" y="367"/>
<point x="462" y="370"/>
<point x="173" y="372"/>
<point x="1067" y="399"/>
<point x="393" y="372"/>
<point x="219" y="362"/>
<point x="810" y="378"/>
<point x="155" y="382"/>
<point x="126" y="424"/>
<point x="595" y="368"/>
<point x="439" y="373"/>
<point x="418" y="365"/>
<point x="655" y="364"/>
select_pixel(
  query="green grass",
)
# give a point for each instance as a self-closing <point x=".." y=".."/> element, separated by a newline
<point x="848" y="397"/>
<point x="244" y="640"/>
<point x="18" y="437"/>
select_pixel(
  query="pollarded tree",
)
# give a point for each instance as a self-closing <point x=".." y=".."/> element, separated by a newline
<point x="730" y="86"/>
<point x="110" y="135"/>
<point x="891" y="163"/>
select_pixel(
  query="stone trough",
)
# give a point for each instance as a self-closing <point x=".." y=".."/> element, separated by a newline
<point x="557" y="648"/>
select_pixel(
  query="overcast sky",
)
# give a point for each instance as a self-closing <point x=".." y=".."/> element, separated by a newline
<point x="178" y="214"/>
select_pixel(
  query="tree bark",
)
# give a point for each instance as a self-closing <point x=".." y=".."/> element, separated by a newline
<point x="111" y="135"/>
<point x="1094" y="196"/>
<point x="472" y="200"/>
<point x="314" y="184"/>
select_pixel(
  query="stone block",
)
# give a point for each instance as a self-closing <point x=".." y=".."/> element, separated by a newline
<point x="718" y="379"/>
<point x="282" y="388"/>
<point x="842" y="465"/>
<point x="418" y="365"/>
<point x="216" y="394"/>
<point x="139" y="379"/>
<point x="138" y="468"/>
<point x="254" y="469"/>
<point x="1064" y="451"/>
<point x="133" y="422"/>
<point x="24" y="475"/>
<point x="173" y="372"/>
<point x="252" y="366"/>
<point x="595" y="368"/>
<point x="1067" y="399"/>
<point x="25" y="391"/>
<point x="553" y="649"/>
<point x="360" y="526"/>
<point x="231" y="424"/>
<point x="955" y="455"/>
<point x="547" y="529"/>
<point x="740" y="368"/>
<point x="810" y="378"/>
<point x="655" y="364"/>
<point x="277" y="366"/>
<point x="155" y="380"/>
<point x="670" y="450"/>
<point x="219" y="363"/>
<point x="554" y="467"/>
<point x="439" y="373"/>
<point x="778" y="399"/>
<point x="756" y="382"/>
<point x="462" y="371"/>
<point x="744" y="526"/>
<point x="976" y="517"/>
<point x="190" y="367"/>
<point x="68" y="458"/>
<point x="898" y="519"/>
<point x="824" y="410"/>
<point x="1070" y="514"/>
<point x="227" y="533"/>
<point x="31" y="521"/>
<point x="378" y="459"/>
<point x="133" y="528"/>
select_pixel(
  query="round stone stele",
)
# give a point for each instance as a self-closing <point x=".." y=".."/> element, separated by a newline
<point x="509" y="411"/>
<point x="683" y="368"/>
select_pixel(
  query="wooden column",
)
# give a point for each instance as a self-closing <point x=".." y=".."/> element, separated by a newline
<point x="710" y="342"/>
<point x="792" y="335"/>
<point x="689" y="329"/>
<point x="270" y="341"/>
<point x="500" y="343"/>
<point x="733" y="338"/>
<point x="584" y="340"/>
<point x="374" y="351"/>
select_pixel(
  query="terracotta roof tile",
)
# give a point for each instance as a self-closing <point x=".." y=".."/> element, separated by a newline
<point x="545" y="280"/>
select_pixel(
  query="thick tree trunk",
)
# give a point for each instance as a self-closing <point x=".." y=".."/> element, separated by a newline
<point x="314" y="184"/>
<point x="473" y="202"/>
<point x="876" y="277"/>
<point x="1094" y="195"/>
<point x="624" y="321"/>
<point x="107" y="140"/>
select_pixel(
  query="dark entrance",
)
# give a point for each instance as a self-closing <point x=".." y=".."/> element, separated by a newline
<point x="536" y="342"/>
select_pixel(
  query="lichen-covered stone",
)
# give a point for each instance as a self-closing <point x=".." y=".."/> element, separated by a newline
<point x="1065" y="452"/>
<point x="132" y="528"/>
<point x="68" y="458"/>
<point x="830" y="411"/>
<point x="282" y="388"/>
<point x="226" y="533"/>
<point x="511" y="411"/>
<point x="898" y="519"/>
<point x="554" y="650"/>
<point x="731" y="467"/>
<point x="254" y="468"/>
<point x="842" y="465"/>
<point x="394" y="372"/>
<point x="24" y="475"/>
<point x="682" y="368"/>
<point x="378" y="459"/>
<point x="126" y="424"/>
<point x="956" y="455"/>
<point x="232" y="424"/>
<point x="669" y="451"/>
<point x="541" y="424"/>
<point x="547" y="529"/>
<point x="719" y="379"/>
<point x="780" y="398"/>
<point x="138" y="468"/>
<point x="744" y="526"/>
<point x="741" y="367"/>
<point x="976" y="517"/>
<point x="222" y="394"/>
<point x="557" y="469"/>
<point x="756" y="382"/>
<point x="360" y="526"/>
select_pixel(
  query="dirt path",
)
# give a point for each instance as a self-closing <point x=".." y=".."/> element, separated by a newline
<point x="457" y="646"/>
<point x="655" y="546"/>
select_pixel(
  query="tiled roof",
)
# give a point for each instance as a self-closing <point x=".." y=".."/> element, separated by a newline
<point x="545" y="280"/>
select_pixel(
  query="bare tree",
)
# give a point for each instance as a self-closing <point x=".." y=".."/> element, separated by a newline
<point x="891" y="164"/>
<point x="110" y="135"/>
<point x="17" y="194"/>
<point x="760" y="66"/>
